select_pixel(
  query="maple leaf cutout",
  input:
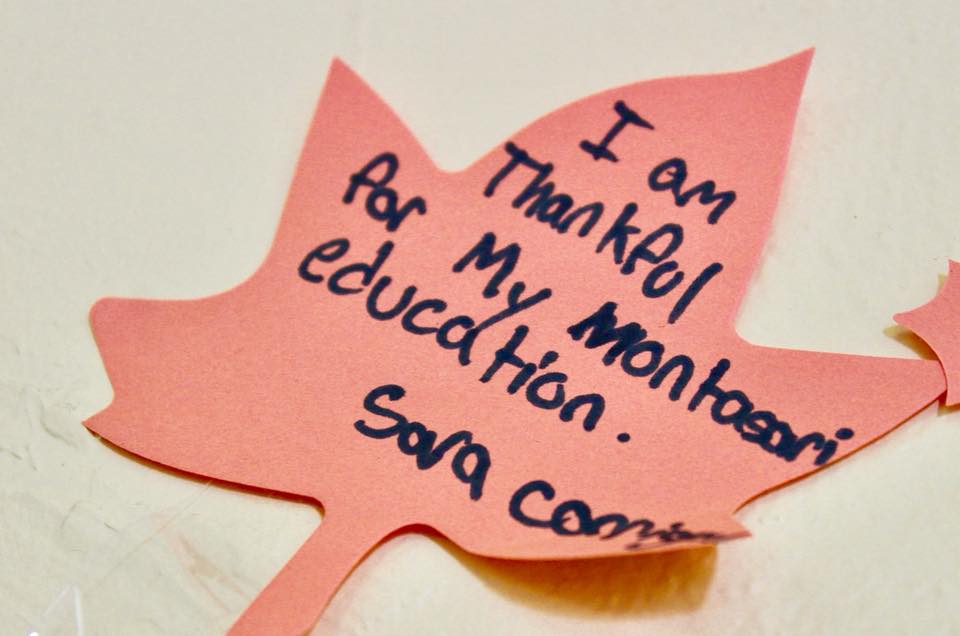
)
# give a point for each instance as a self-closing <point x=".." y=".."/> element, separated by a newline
<point x="262" y="385"/>
<point x="935" y="323"/>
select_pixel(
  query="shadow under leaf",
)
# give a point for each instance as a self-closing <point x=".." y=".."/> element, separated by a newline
<point x="664" y="582"/>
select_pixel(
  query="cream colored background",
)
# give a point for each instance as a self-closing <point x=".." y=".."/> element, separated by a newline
<point x="146" y="148"/>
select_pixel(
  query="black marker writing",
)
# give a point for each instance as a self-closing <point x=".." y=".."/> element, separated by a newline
<point x="457" y="333"/>
<point x="654" y="250"/>
<point x="627" y="116"/>
<point x="470" y="464"/>
<point x="574" y="517"/>
<point x="642" y="357"/>
<point x="538" y="387"/>
<point x="545" y="205"/>
<point x="381" y="202"/>
<point x="675" y="171"/>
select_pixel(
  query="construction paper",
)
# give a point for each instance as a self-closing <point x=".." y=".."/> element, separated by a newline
<point x="936" y="323"/>
<point x="534" y="356"/>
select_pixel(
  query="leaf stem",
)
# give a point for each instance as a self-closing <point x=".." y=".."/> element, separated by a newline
<point x="293" y="601"/>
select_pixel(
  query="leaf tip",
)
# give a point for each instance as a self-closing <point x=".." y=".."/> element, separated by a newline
<point x="791" y="71"/>
<point x="936" y="323"/>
